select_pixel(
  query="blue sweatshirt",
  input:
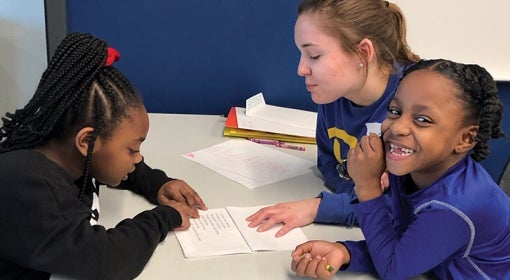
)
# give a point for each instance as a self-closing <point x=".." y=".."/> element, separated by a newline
<point x="340" y="125"/>
<point x="456" y="228"/>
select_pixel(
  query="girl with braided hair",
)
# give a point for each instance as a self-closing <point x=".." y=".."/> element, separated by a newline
<point x="83" y="127"/>
<point x="447" y="216"/>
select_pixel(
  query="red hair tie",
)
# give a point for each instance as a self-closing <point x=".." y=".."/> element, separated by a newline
<point x="112" y="56"/>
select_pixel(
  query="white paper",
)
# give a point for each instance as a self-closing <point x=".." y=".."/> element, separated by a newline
<point x="250" y="123"/>
<point x="213" y="234"/>
<point x="224" y="231"/>
<point x="259" y="116"/>
<point x="249" y="163"/>
<point x="256" y="107"/>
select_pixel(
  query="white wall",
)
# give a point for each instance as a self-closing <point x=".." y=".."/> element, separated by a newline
<point x="468" y="31"/>
<point x="22" y="51"/>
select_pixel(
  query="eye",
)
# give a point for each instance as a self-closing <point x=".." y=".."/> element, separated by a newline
<point x="133" y="151"/>
<point x="315" y="57"/>
<point x="393" y="112"/>
<point x="422" y="120"/>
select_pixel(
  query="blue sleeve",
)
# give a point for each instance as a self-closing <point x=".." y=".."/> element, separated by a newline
<point x="333" y="208"/>
<point x="336" y="209"/>
<point x="435" y="234"/>
<point x="326" y="161"/>
<point x="360" y="257"/>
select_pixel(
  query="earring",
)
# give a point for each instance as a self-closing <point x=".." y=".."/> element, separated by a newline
<point x="361" y="65"/>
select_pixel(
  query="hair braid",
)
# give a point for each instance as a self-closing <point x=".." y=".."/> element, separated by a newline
<point x="67" y="77"/>
<point x="77" y="90"/>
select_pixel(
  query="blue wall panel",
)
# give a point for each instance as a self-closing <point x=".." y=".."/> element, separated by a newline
<point x="204" y="56"/>
<point x="199" y="56"/>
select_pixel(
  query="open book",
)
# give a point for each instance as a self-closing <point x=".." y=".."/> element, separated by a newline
<point x="224" y="231"/>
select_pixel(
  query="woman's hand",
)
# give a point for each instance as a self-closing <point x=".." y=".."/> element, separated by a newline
<point x="292" y="214"/>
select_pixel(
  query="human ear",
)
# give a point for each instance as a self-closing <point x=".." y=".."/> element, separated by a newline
<point x="82" y="140"/>
<point x="467" y="139"/>
<point x="366" y="50"/>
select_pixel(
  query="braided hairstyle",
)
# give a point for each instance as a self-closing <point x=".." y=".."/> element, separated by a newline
<point x="77" y="90"/>
<point x="354" y="20"/>
<point x="478" y="93"/>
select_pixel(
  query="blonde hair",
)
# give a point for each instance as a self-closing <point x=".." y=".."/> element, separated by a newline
<point x="354" y="20"/>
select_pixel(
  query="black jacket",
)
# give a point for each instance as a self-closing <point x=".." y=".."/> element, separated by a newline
<point x="45" y="228"/>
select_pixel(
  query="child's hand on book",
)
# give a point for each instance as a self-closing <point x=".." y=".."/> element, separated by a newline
<point x="180" y="191"/>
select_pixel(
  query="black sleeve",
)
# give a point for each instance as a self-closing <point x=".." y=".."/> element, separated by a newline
<point x="49" y="230"/>
<point x="146" y="181"/>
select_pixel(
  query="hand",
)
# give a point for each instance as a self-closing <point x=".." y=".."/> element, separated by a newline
<point x="180" y="191"/>
<point x="313" y="258"/>
<point x="291" y="214"/>
<point x="184" y="211"/>
<point x="366" y="167"/>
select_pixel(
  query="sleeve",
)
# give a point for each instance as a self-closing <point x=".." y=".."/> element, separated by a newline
<point x="326" y="161"/>
<point x="336" y="209"/>
<point x="145" y="181"/>
<point x="50" y="231"/>
<point x="435" y="234"/>
<point x="360" y="257"/>
<point x="333" y="208"/>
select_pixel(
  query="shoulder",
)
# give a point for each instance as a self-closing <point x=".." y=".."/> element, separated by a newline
<point x="468" y="190"/>
<point x="28" y="172"/>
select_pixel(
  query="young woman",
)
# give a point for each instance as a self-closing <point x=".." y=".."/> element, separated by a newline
<point x="353" y="53"/>
<point x="447" y="216"/>
<point x="83" y="127"/>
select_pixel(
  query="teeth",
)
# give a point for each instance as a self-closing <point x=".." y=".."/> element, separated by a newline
<point x="402" y="151"/>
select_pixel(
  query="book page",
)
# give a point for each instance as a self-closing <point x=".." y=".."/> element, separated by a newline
<point x="265" y="241"/>
<point x="214" y="233"/>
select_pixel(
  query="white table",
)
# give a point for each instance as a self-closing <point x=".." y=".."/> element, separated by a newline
<point x="170" y="136"/>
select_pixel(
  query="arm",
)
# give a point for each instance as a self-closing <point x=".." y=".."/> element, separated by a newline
<point x="336" y="209"/>
<point x="158" y="188"/>
<point x="430" y="237"/>
<point x="146" y="181"/>
<point x="436" y="234"/>
<point x="49" y="230"/>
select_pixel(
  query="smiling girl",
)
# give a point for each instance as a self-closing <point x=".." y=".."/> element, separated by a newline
<point x="447" y="216"/>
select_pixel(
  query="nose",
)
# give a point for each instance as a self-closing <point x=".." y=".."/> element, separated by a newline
<point x="138" y="158"/>
<point x="303" y="69"/>
<point x="399" y="127"/>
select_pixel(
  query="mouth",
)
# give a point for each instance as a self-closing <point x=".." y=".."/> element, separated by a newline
<point x="400" y="151"/>
<point x="310" y="87"/>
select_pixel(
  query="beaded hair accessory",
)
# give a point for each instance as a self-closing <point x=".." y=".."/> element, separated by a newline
<point x="112" y="56"/>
